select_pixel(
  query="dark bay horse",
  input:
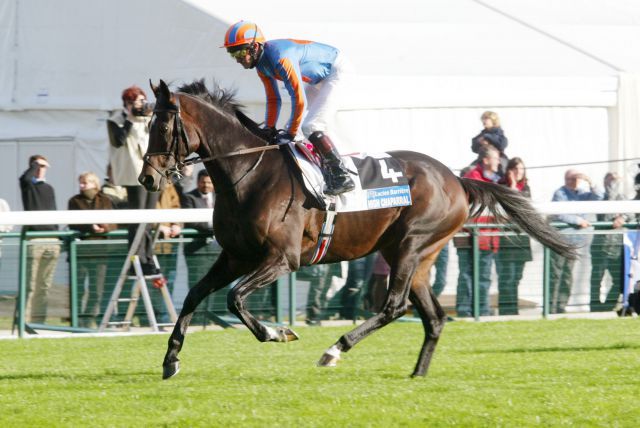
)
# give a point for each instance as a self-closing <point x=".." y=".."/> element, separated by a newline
<point x="268" y="225"/>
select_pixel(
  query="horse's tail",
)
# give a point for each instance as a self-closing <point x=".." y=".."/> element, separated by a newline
<point x="517" y="209"/>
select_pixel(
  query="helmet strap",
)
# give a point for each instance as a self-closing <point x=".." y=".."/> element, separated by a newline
<point x="255" y="54"/>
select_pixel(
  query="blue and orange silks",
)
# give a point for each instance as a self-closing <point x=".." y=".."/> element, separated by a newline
<point x="294" y="62"/>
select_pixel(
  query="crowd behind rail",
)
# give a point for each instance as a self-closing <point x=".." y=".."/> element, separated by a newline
<point x="363" y="283"/>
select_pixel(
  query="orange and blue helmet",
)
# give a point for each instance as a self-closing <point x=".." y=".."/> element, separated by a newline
<point x="243" y="33"/>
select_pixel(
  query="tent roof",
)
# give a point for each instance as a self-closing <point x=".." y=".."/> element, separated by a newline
<point x="408" y="53"/>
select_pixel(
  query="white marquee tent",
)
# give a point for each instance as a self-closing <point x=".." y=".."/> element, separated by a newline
<point x="561" y="74"/>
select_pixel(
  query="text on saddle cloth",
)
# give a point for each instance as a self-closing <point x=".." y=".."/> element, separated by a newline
<point x="380" y="182"/>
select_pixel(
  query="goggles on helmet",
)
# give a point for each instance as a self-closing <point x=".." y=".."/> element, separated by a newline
<point x="239" y="53"/>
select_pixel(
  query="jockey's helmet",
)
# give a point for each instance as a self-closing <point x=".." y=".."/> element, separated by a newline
<point x="242" y="33"/>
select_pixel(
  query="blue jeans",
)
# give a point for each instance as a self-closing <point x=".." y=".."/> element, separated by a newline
<point x="441" y="271"/>
<point x="464" y="296"/>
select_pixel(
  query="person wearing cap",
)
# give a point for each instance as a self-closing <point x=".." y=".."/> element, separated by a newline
<point x="313" y="74"/>
<point x="38" y="195"/>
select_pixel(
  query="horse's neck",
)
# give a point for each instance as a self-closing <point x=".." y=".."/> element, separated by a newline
<point x="223" y="136"/>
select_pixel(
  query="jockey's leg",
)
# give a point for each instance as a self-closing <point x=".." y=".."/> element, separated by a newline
<point x="339" y="180"/>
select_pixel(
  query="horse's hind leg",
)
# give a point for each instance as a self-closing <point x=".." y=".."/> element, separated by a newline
<point x="433" y="319"/>
<point x="403" y="271"/>
<point x="218" y="277"/>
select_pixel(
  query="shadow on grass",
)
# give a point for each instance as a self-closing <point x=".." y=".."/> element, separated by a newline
<point x="123" y="377"/>
<point x="617" y="346"/>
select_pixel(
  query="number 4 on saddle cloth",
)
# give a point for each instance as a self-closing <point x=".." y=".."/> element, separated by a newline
<point x="379" y="183"/>
<point x="379" y="179"/>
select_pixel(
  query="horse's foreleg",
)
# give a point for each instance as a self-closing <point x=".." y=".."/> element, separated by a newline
<point x="218" y="277"/>
<point x="265" y="274"/>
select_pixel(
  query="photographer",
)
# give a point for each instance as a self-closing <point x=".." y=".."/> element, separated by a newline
<point x="128" y="137"/>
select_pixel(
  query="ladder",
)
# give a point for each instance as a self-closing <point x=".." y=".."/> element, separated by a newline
<point x="139" y="289"/>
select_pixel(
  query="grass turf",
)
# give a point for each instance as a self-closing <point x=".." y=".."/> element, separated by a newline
<point x="520" y="373"/>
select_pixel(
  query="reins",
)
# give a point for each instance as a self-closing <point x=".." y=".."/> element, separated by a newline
<point x="174" y="173"/>
<point x="197" y="160"/>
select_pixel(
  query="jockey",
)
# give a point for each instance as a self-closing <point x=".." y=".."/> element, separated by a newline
<point x="311" y="73"/>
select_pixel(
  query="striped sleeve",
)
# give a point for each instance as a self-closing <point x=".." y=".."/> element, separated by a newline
<point x="292" y="79"/>
<point x="273" y="99"/>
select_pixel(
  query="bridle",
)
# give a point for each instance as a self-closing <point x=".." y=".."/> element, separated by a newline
<point x="174" y="173"/>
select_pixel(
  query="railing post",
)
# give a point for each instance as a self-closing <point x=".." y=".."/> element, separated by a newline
<point x="292" y="299"/>
<point x="73" y="281"/>
<point x="475" y="254"/>
<point x="22" y="283"/>
<point x="546" y="280"/>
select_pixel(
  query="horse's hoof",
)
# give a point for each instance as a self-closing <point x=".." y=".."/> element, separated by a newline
<point x="285" y="334"/>
<point x="328" y="360"/>
<point x="170" y="370"/>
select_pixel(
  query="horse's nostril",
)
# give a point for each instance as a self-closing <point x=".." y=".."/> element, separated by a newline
<point x="147" y="181"/>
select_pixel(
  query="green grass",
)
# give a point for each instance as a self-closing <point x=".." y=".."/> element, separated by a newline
<point x="521" y="373"/>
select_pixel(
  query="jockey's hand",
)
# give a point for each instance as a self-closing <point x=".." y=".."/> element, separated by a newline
<point x="282" y="137"/>
<point x="269" y="133"/>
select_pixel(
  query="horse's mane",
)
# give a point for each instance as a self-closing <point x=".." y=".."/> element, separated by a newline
<point x="221" y="98"/>
<point x="224" y="100"/>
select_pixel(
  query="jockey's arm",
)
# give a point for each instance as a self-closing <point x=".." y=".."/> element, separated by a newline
<point x="273" y="100"/>
<point x="292" y="78"/>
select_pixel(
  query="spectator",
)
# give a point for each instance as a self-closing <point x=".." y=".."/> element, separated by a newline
<point x="486" y="170"/>
<point x="4" y="207"/>
<point x="577" y="187"/>
<point x="358" y="275"/>
<point x="186" y="183"/>
<point x="129" y="136"/>
<point x="92" y="259"/>
<point x="607" y="250"/>
<point x="441" y="265"/>
<point x="515" y="251"/>
<point x="38" y="195"/>
<point x="117" y="194"/>
<point x="319" y="283"/>
<point x="201" y="252"/>
<point x="493" y="135"/>
<point x="636" y="187"/>
<point x="378" y="285"/>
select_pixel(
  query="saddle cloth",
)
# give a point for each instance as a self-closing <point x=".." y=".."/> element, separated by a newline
<point x="380" y="181"/>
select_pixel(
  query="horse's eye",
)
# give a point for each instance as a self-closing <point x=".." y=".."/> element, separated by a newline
<point x="164" y="128"/>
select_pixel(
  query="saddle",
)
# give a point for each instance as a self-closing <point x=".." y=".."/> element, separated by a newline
<point x="379" y="179"/>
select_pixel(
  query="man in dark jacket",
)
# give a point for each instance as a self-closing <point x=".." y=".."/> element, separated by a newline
<point x="203" y="250"/>
<point x="38" y="195"/>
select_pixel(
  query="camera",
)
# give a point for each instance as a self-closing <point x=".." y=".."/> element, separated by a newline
<point x="145" y="110"/>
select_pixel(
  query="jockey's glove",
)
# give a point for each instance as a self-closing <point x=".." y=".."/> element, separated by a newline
<point x="282" y="137"/>
<point x="269" y="133"/>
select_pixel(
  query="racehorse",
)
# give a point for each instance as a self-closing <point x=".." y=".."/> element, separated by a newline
<point x="268" y="224"/>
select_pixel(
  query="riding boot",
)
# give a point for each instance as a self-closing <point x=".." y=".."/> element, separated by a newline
<point x="336" y="175"/>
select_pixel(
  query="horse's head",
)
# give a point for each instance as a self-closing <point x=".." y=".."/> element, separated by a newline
<point x="168" y="141"/>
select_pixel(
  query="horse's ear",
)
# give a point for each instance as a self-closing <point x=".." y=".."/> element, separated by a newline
<point x="154" y="88"/>
<point x="164" y="88"/>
